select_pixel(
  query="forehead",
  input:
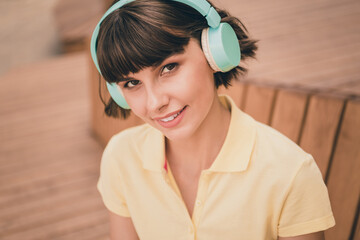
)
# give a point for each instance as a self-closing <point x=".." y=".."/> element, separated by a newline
<point x="192" y="51"/>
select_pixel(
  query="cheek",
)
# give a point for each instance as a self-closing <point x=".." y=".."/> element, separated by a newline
<point x="202" y="82"/>
<point x="200" y="78"/>
<point x="136" y="103"/>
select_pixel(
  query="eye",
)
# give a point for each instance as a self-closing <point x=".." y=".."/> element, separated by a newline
<point x="168" y="68"/>
<point x="131" y="83"/>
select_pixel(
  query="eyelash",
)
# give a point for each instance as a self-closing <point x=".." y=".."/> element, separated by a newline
<point x="170" y="66"/>
<point x="126" y="85"/>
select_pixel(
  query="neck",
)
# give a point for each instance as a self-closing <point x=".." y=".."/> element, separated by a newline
<point x="198" y="152"/>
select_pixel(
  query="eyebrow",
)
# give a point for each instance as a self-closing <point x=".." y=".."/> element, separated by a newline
<point x="125" y="79"/>
<point x="155" y="65"/>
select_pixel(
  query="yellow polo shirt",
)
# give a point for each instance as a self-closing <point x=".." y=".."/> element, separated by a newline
<point x="260" y="186"/>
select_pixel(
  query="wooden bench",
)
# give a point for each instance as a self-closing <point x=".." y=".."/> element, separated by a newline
<point x="325" y="124"/>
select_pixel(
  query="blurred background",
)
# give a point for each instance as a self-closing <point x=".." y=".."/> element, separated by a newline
<point x="52" y="129"/>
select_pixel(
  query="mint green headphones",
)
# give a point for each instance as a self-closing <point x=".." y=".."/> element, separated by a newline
<point x="219" y="43"/>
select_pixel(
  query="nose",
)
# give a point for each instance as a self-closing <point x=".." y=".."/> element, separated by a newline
<point x="157" y="99"/>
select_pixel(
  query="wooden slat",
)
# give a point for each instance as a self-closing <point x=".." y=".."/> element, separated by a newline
<point x="35" y="177"/>
<point x="289" y="112"/>
<point x="344" y="181"/>
<point x="21" y="165"/>
<point x="320" y="128"/>
<point x="42" y="218"/>
<point x="16" y="211"/>
<point x="51" y="230"/>
<point x="35" y="191"/>
<point x="102" y="238"/>
<point x="98" y="231"/>
<point x="259" y="102"/>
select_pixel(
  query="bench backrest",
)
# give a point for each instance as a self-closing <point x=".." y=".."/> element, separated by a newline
<point x="323" y="124"/>
<point x="327" y="125"/>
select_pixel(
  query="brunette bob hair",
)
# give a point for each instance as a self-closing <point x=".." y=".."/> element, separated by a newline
<point x="144" y="33"/>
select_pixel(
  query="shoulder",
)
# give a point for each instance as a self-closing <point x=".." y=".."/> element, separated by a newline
<point x="129" y="138"/>
<point x="132" y="151"/>
<point x="285" y="166"/>
<point x="128" y="144"/>
<point x="277" y="152"/>
<point x="270" y="140"/>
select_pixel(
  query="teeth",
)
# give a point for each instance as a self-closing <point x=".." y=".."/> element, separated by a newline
<point x="170" y="118"/>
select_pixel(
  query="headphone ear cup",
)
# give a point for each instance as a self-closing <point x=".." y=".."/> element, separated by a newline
<point x="116" y="95"/>
<point x="206" y="49"/>
<point x="221" y="47"/>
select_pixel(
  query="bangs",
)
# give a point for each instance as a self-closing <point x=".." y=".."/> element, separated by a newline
<point x="132" y="40"/>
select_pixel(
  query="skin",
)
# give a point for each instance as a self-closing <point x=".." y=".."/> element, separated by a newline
<point x="182" y="81"/>
<point x="121" y="228"/>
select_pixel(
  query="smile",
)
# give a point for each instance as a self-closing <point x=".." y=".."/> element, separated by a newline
<point x="172" y="120"/>
<point x="168" y="119"/>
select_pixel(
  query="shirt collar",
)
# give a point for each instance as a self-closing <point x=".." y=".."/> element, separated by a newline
<point x="236" y="151"/>
<point x="234" y="155"/>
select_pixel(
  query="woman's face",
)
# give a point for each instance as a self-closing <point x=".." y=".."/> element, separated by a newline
<point x="176" y="96"/>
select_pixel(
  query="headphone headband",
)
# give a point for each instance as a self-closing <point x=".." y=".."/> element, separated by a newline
<point x="202" y="6"/>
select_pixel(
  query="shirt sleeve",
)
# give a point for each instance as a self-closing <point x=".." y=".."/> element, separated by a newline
<point x="110" y="184"/>
<point x="306" y="208"/>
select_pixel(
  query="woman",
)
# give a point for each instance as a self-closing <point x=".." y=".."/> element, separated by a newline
<point x="199" y="168"/>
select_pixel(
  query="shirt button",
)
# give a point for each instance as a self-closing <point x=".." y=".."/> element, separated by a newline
<point x="198" y="202"/>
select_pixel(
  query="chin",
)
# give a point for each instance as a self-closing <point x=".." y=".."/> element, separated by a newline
<point x="179" y="134"/>
<point x="175" y="136"/>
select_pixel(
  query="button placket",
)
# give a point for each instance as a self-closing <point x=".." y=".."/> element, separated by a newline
<point x="192" y="232"/>
<point x="200" y="198"/>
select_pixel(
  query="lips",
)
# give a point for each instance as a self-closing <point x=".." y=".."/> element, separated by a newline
<point x="171" y="119"/>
